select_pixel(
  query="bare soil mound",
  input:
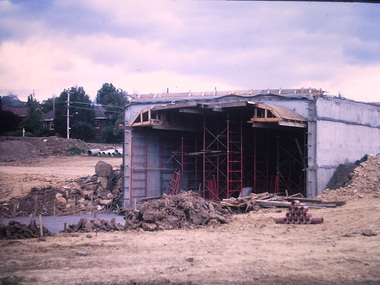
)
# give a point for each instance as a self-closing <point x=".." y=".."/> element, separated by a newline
<point x="364" y="180"/>
<point x="31" y="148"/>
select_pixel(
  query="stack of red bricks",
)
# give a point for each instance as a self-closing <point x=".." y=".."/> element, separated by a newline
<point x="298" y="213"/>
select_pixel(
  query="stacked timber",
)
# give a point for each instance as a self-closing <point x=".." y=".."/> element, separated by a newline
<point x="254" y="202"/>
<point x="298" y="213"/>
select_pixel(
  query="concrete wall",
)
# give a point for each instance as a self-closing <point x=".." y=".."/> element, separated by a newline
<point x="345" y="132"/>
<point x="299" y="104"/>
<point x="152" y="176"/>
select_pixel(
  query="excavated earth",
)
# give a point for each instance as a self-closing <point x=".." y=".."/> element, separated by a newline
<point x="247" y="248"/>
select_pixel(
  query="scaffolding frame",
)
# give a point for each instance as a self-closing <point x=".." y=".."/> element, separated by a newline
<point x="285" y="163"/>
<point x="189" y="161"/>
<point x="214" y="156"/>
<point x="234" y="158"/>
<point x="222" y="158"/>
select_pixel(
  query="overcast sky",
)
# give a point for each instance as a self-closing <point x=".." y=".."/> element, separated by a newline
<point x="149" y="46"/>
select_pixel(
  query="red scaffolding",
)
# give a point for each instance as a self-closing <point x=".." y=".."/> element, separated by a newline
<point x="234" y="158"/>
<point x="189" y="162"/>
<point x="222" y="158"/>
<point x="174" y="183"/>
<point x="214" y="159"/>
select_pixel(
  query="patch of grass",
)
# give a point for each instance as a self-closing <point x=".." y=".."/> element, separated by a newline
<point x="75" y="151"/>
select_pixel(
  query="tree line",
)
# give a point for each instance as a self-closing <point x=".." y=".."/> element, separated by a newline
<point x="82" y="114"/>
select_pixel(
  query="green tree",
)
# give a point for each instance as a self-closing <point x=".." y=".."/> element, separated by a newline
<point x="9" y="121"/>
<point x="81" y="110"/>
<point x="83" y="130"/>
<point x="33" y="122"/>
<point x="47" y="105"/>
<point x="110" y="96"/>
<point x="11" y="100"/>
<point x="113" y="100"/>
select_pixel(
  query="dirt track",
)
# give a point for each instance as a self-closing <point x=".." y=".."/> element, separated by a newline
<point x="252" y="249"/>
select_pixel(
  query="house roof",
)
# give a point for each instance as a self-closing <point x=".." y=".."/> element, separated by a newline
<point x="49" y="116"/>
<point x="100" y="112"/>
<point x="22" y="112"/>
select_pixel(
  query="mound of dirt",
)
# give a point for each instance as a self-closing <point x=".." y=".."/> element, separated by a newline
<point x="342" y="174"/>
<point x="364" y="180"/>
<point x="32" y="148"/>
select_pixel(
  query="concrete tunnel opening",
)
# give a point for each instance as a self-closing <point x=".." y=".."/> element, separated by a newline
<point x="218" y="150"/>
<point x="222" y="144"/>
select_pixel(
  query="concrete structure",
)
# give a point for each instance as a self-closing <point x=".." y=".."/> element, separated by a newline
<point x="219" y="143"/>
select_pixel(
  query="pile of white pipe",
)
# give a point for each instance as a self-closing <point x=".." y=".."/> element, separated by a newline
<point x="93" y="152"/>
<point x="108" y="152"/>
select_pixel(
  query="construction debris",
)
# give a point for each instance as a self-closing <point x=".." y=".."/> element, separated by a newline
<point x="98" y="193"/>
<point x="95" y="225"/>
<point x="185" y="210"/>
<point x="16" y="230"/>
<point x="298" y="214"/>
<point x="254" y="202"/>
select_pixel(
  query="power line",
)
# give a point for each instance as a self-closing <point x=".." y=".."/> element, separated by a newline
<point x="82" y="108"/>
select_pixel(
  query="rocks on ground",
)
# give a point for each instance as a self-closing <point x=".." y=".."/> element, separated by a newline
<point x="100" y="192"/>
<point x="184" y="210"/>
<point x="95" y="225"/>
<point x="16" y="230"/>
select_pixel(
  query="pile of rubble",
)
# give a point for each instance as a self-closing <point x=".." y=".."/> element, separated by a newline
<point x="363" y="181"/>
<point x="101" y="192"/>
<point x="16" y="230"/>
<point x="184" y="210"/>
<point x="95" y="225"/>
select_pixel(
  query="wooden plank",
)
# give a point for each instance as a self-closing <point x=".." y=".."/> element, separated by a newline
<point x="273" y="204"/>
<point x="310" y="200"/>
<point x="174" y="128"/>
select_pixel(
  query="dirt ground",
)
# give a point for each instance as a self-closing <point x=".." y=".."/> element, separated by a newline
<point x="17" y="178"/>
<point x="251" y="249"/>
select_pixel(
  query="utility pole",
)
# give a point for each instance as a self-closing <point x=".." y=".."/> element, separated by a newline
<point x="68" y="114"/>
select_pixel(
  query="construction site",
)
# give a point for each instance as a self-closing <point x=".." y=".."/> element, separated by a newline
<point x="222" y="143"/>
<point x="243" y="187"/>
